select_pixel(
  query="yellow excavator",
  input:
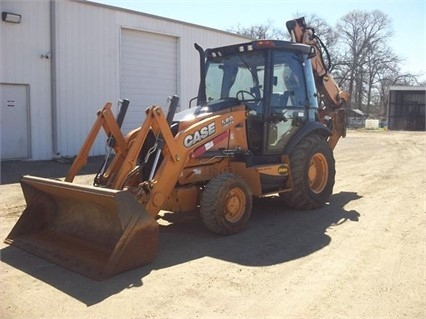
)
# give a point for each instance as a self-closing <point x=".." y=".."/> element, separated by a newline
<point x="268" y="117"/>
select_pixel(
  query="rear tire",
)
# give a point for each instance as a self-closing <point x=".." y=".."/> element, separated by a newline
<point x="226" y="204"/>
<point x="313" y="171"/>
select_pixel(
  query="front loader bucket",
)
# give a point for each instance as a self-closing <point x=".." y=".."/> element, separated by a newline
<point x="93" y="231"/>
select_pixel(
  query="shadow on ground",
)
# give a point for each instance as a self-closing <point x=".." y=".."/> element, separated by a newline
<point x="12" y="171"/>
<point x="274" y="235"/>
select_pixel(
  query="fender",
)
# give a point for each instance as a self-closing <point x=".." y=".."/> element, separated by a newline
<point x="306" y="129"/>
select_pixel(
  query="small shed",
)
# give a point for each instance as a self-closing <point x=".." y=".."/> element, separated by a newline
<point x="356" y="118"/>
<point x="407" y="106"/>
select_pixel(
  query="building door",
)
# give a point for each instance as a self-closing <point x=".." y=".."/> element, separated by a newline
<point x="14" y="120"/>
<point x="148" y="72"/>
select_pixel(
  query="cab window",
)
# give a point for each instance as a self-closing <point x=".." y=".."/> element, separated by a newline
<point x="288" y="87"/>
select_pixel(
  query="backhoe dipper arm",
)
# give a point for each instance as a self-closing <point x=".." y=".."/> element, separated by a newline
<point x="334" y="98"/>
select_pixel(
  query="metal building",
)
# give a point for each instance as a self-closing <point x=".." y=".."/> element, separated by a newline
<point x="63" y="60"/>
<point x="407" y="105"/>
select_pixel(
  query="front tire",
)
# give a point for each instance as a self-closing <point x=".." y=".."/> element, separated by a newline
<point x="226" y="204"/>
<point x="313" y="171"/>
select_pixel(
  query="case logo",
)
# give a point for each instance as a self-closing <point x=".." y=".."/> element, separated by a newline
<point x="199" y="135"/>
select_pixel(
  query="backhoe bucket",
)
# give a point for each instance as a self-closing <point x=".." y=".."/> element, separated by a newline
<point x="94" y="231"/>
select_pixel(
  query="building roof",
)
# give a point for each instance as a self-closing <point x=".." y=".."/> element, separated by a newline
<point x="358" y="111"/>
<point x="407" y="88"/>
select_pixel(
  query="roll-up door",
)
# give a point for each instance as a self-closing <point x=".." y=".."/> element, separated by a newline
<point x="148" y="72"/>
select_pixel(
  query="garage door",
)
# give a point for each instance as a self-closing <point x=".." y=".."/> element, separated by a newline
<point x="148" y="72"/>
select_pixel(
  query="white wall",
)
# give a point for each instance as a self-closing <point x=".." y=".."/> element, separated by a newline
<point x="87" y="70"/>
<point x="21" y="47"/>
<point x="88" y="40"/>
<point x="86" y="64"/>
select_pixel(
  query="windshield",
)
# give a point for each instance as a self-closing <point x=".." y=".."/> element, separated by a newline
<point x="238" y="76"/>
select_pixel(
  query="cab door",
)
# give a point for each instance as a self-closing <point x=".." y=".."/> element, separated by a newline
<point x="287" y="102"/>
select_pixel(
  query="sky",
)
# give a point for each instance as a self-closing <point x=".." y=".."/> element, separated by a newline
<point x="408" y="18"/>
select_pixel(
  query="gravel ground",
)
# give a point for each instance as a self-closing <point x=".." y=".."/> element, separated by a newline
<point x="360" y="256"/>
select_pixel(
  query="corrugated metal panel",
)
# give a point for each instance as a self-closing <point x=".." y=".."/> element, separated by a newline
<point x="87" y="71"/>
<point x="14" y="121"/>
<point x="22" y="47"/>
<point x="187" y="35"/>
<point x="86" y="56"/>
<point x="407" y="109"/>
<point x="147" y="71"/>
<point x="88" y="39"/>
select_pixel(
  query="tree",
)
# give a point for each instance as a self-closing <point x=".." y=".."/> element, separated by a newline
<point x="259" y="31"/>
<point x="362" y="61"/>
<point x="363" y="38"/>
<point x="382" y="62"/>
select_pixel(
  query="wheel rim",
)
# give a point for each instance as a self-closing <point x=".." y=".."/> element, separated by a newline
<point x="318" y="173"/>
<point x="234" y="205"/>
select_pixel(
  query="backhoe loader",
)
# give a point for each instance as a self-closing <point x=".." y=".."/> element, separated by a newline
<point x="267" y="119"/>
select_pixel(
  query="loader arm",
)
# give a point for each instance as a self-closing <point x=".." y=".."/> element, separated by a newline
<point x="334" y="98"/>
<point x="105" y="119"/>
<point x="110" y="227"/>
<point x="178" y="150"/>
<point x="126" y="148"/>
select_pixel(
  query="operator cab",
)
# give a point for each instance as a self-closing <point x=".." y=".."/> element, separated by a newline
<point x="273" y="79"/>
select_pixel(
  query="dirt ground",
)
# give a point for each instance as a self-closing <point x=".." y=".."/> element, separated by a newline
<point x="361" y="256"/>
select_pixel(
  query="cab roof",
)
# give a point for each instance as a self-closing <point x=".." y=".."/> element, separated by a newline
<point x="259" y="45"/>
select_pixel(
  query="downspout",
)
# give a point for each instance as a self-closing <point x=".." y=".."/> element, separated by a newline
<point x="53" y="84"/>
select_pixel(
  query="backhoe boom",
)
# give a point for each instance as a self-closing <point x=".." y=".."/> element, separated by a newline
<point x="333" y="97"/>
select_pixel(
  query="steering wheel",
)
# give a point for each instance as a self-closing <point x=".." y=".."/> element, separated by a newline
<point x="242" y="93"/>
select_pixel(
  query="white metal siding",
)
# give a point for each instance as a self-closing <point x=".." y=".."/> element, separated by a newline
<point x="21" y="63"/>
<point x="14" y="121"/>
<point x="87" y="46"/>
<point x="148" y="72"/>
<point x="86" y="57"/>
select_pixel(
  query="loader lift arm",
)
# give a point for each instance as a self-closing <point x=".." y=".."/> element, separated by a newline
<point x="119" y="174"/>
<point x="103" y="229"/>
<point x="127" y="149"/>
<point x="333" y="97"/>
